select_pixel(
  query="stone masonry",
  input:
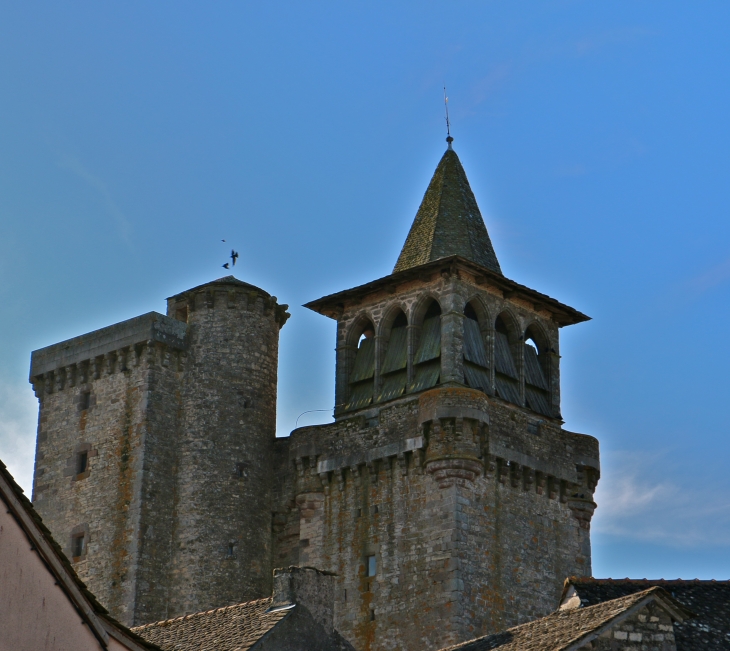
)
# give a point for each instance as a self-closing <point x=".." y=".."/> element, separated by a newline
<point x="155" y="440"/>
<point x="445" y="496"/>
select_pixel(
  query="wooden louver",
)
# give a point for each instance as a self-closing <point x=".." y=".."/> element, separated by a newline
<point x="537" y="395"/>
<point x="361" y="378"/>
<point x="394" y="371"/>
<point x="427" y="360"/>
<point x="476" y="364"/>
<point x="506" y="379"/>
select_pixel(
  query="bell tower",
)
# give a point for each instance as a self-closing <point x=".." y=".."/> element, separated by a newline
<point x="446" y="488"/>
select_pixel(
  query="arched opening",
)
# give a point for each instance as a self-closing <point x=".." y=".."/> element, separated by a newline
<point x="506" y="378"/>
<point x="537" y="388"/>
<point x="476" y="360"/>
<point x="361" y="378"/>
<point x="427" y="360"/>
<point x="394" y="371"/>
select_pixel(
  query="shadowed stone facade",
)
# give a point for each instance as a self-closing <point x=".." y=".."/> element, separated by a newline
<point x="446" y="496"/>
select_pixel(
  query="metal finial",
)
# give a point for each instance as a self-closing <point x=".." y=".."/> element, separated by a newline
<point x="449" y="139"/>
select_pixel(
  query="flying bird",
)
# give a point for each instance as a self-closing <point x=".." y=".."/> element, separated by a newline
<point x="234" y="256"/>
<point x="225" y="266"/>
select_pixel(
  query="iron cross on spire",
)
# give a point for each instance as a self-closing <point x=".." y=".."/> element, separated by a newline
<point x="449" y="139"/>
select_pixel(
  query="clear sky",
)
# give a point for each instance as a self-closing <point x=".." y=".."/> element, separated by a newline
<point x="135" y="136"/>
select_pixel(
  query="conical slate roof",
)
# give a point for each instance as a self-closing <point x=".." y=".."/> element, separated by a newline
<point x="448" y="222"/>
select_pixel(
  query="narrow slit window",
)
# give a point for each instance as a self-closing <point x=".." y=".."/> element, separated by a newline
<point x="85" y="400"/>
<point x="82" y="462"/>
<point x="78" y="545"/>
<point x="372" y="566"/>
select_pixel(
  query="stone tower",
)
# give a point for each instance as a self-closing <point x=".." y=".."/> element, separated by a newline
<point x="446" y="495"/>
<point x="155" y="444"/>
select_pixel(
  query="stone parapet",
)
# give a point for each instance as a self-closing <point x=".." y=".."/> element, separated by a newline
<point x="152" y="326"/>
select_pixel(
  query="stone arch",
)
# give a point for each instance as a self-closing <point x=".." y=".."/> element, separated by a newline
<point x="422" y="306"/>
<point x="391" y="314"/>
<point x="357" y="328"/>
<point x="511" y="325"/>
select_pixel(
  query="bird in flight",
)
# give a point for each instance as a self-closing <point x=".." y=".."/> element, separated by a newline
<point x="225" y="266"/>
<point x="234" y="256"/>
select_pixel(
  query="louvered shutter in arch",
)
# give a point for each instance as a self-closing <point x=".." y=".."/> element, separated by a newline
<point x="361" y="378"/>
<point x="394" y="371"/>
<point x="427" y="360"/>
<point x="537" y="394"/>
<point x="476" y="364"/>
<point x="506" y="380"/>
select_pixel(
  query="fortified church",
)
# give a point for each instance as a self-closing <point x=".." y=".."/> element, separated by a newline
<point x="445" y="502"/>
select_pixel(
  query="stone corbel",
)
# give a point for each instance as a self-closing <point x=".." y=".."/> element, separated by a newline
<point x="58" y="377"/>
<point x="528" y="478"/>
<point x="373" y="469"/>
<point x="71" y="375"/>
<point x="340" y="474"/>
<point x="109" y="359"/>
<point x="48" y="382"/>
<point x="95" y="368"/>
<point x="122" y="356"/>
<point x="82" y="372"/>
<point x="540" y="481"/>
<point x="150" y="353"/>
<point x="403" y="463"/>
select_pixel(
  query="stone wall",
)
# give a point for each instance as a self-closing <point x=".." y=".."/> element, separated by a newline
<point x="466" y="503"/>
<point x="174" y="417"/>
<point x="222" y="542"/>
<point x="112" y="414"/>
<point x="649" y="629"/>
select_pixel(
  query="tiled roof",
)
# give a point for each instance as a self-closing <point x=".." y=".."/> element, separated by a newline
<point x="708" y="600"/>
<point x="563" y="628"/>
<point x="94" y="614"/>
<point x="448" y="222"/>
<point x="226" y="280"/>
<point x="233" y="628"/>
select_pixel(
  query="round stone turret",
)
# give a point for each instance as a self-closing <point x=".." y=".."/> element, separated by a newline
<point x="222" y="546"/>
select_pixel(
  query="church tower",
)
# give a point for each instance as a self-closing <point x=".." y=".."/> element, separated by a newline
<point x="446" y="495"/>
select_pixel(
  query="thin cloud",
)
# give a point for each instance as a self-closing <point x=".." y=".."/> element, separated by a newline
<point x="634" y="505"/>
<point x="18" y="421"/>
<point x="75" y="166"/>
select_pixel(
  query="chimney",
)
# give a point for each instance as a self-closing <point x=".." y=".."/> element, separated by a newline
<point x="305" y="586"/>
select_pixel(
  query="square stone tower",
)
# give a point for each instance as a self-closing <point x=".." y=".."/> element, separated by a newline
<point x="446" y="496"/>
<point x="155" y="448"/>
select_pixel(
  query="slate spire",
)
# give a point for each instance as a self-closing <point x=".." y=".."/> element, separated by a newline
<point x="448" y="222"/>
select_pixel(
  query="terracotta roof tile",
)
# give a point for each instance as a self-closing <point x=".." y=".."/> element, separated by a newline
<point x="233" y="628"/>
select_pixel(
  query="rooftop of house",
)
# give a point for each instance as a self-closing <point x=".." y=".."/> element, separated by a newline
<point x="571" y="628"/>
<point x="91" y="611"/>
<point x="233" y="628"/>
<point x="708" y="600"/>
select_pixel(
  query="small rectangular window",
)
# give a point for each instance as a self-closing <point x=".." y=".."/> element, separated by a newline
<point x="85" y="399"/>
<point x="372" y="566"/>
<point x="181" y="314"/>
<point x="82" y="462"/>
<point x="78" y="545"/>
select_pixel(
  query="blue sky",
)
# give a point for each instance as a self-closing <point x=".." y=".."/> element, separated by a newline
<point x="133" y="137"/>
